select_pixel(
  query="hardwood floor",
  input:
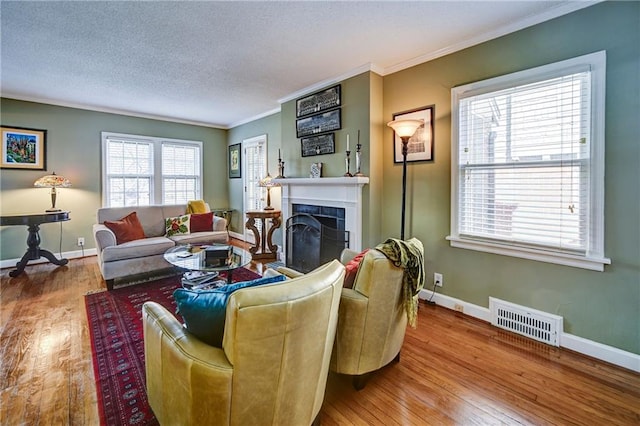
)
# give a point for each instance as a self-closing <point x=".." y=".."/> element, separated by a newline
<point x="453" y="369"/>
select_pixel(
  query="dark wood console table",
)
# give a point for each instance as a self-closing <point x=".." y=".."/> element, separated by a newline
<point x="33" y="222"/>
<point x="264" y="247"/>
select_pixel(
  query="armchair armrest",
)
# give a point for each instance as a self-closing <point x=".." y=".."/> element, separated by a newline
<point x="181" y="370"/>
<point x="347" y="255"/>
<point x="290" y="273"/>
<point x="103" y="236"/>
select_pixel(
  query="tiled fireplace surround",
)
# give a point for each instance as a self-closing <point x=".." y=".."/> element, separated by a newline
<point x="344" y="192"/>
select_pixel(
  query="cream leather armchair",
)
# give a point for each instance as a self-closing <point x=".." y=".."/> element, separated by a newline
<point x="272" y="368"/>
<point x="372" y="320"/>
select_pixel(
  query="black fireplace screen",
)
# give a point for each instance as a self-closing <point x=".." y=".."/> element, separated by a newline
<point x="311" y="243"/>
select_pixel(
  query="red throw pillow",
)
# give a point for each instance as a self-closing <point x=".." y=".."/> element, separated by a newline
<point x="352" y="269"/>
<point x="202" y="222"/>
<point x="126" y="229"/>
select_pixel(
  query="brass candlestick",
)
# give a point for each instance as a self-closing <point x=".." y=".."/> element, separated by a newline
<point x="348" y="164"/>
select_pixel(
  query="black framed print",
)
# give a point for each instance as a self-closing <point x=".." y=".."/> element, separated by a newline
<point x="235" y="161"/>
<point x="420" y="146"/>
<point x="319" y="101"/>
<point x="318" y="145"/>
<point x="319" y="123"/>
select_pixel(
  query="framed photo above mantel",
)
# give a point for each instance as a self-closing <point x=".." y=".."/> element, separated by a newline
<point x="319" y="101"/>
<point x="318" y="145"/>
<point x="23" y="148"/>
<point x="235" y="161"/>
<point x="319" y="123"/>
<point x="420" y="147"/>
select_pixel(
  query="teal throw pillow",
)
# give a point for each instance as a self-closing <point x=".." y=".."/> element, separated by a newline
<point x="204" y="311"/>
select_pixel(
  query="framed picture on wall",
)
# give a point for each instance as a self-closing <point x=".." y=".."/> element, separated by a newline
<point x="319" y="123"/>
<point x="420" y="147"/>
<point x="235" y="161"/>
<point x="23" y="148"/>
<point x="318" y="101"/>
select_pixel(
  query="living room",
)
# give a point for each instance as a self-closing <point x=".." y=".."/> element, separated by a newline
<point x="600" y="308"/>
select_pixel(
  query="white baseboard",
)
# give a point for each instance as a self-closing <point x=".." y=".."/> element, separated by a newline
<point x="11" y="263"/>
<point x="578" y="344"/>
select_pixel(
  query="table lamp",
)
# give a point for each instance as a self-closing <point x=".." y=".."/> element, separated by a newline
<point x="267" y="182"/>
<point x="52" y="181"/>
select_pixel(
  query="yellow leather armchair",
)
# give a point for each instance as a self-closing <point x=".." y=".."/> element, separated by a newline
<point x="272" y="368"/>
<point x="372" y="320"/>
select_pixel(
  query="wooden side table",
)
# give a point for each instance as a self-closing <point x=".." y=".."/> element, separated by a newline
<point x="33" y="222"/>
<point x="264" y="247"/>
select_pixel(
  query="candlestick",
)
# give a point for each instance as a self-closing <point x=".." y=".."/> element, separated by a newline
<point x="280" y="169"/>
<point x="358" y="157"/>
<point x="348" y="165"/>
<point x="347" y="143"/>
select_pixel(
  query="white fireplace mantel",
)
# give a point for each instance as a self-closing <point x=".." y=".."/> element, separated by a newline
<point x="345" y="192"/>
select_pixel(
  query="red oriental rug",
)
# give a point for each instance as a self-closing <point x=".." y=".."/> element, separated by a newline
<point x="115" y="330"/>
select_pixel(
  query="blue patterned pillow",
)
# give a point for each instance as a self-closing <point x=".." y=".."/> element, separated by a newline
<point x="204" y="311"/>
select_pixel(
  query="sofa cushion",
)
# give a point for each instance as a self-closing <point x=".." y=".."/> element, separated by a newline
<point x="137" y="248"/>
<point x="197" y="206"/>
<point x="177" y="225"/>
<point x="204" y="311"/>
<point x="201" y="237"/>
<point x="126" y="229"/>
<point x="352" y="269"/>
<point x="202" y="222"/>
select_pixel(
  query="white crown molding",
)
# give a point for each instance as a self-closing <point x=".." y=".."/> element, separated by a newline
<point x="255" y="117"/>
<point x="578" y="344"/>
<point x="110" y="110"/>
<point x="334" y="80"/>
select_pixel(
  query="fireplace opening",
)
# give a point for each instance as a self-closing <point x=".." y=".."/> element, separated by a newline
<point x="315" y="235"/>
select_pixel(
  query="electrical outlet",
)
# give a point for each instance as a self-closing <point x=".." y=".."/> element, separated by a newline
<point x="458" y="307"/>
<point x="437" y="279"/>
<point x="80" y="241"/>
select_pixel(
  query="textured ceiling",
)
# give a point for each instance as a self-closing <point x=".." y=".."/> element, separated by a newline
<point x="224" y="63"/>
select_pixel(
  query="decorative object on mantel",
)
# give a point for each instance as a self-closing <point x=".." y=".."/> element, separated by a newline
<point x="348" y="161"/>
<point x="23" y="148"/>
<point x="318" y="145"/>
<point x="404" y="129"/>
<point x="52" y="181"/>
<point x="316" y="170"/>
<point x="280" y="167"/>
<point x="358" y="157"/>
<point x="268" y="182"/>
<point x="420" y="147"/>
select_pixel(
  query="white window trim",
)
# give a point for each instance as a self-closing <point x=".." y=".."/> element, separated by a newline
<point x="156" y="177"/>
<point x="594" y="260"/>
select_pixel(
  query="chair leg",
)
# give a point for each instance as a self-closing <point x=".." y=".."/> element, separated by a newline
<point x="359" y="382"/>
<point x="110" y="284"/>
<point x="316" y="421"/>
<point x="396" y="359"/>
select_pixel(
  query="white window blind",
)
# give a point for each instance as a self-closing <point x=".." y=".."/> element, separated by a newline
<point x="526" y="167"/>
<point x="141" y="170"/>
<point x="180" y="173"/>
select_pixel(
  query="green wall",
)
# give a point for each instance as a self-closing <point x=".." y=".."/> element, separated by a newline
<point x="270" y="126"/>
<point x="600" y="306"/>
<point x="74" y="151"/>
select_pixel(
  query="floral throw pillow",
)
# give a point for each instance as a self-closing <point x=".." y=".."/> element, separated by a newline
<point x="177" y="225"/>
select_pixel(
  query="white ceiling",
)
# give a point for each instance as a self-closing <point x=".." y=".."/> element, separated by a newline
<point x="225" y="63"/>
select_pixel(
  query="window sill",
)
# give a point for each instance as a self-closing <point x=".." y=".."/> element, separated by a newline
<point x="591" y="263"/>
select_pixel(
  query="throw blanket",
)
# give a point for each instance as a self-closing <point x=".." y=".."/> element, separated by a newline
<point x="408" y="255"/>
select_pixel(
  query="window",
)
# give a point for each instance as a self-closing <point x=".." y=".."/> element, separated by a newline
<point x="528" y="164"/>
<point x="140" y="170"/>
<point x="254" y="157"/>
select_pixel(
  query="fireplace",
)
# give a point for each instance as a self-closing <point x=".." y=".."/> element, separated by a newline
<point x="343" y="193"/>
<point x="314" y="235"/>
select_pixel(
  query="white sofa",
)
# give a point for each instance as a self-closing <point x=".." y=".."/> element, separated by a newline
<point x="145" y="255"/>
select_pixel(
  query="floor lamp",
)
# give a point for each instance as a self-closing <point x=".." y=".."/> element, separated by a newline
<point x="404" y="129"/>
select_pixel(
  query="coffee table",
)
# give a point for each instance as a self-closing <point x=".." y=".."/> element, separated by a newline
<point x="201" y="275"/>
